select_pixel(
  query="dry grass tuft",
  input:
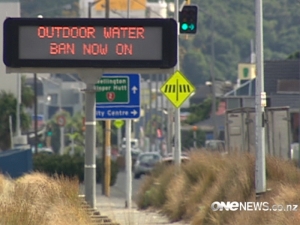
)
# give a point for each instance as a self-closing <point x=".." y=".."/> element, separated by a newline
<point x="36" y="199"/>
<point x="176" y="205"/>
<point x="189" y="193"/>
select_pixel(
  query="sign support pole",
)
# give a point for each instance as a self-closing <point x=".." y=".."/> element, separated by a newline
<point x="177" y="152"/>
<point x="107" y="156"/>
<point x="62" y="140"/>
<point x="90" y="136"/>
<point x="119" y="134"/>
<point x="128" y="165"/>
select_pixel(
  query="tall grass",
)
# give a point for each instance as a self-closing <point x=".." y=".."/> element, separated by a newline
<point x="188" y="194"/>
<point x="36" y="199"/>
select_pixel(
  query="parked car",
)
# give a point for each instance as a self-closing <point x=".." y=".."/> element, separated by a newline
<point x="145" y="163"/>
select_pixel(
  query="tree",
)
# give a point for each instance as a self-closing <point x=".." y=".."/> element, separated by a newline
<point x="199" y="112"/>
<point x="73" y="130"/>
<point x="27" y="94"/>
<point x="8" y="103"/>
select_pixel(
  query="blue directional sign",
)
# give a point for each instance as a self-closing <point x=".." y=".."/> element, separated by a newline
<point x="118" y="97"/>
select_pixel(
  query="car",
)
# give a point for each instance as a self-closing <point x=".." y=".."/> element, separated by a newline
<point x="170" y="159"/>
<point x="134" y="153"/>
<point x="216" y="146"/>
<point x="47" y="151"/>
<point x="183" y="153"/>
<point x="145" y="163"/>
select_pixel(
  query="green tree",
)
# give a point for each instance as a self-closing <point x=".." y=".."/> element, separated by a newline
<point x="199" y="112"/>
<point x="8" y="103"/>
<point x="73" y="130"/>
<point x="27" y="94"/>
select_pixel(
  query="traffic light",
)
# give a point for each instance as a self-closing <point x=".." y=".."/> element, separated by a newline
<point x="188" y="19"/>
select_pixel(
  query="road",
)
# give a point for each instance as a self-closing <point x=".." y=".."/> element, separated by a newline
<point x="114" y="206"/>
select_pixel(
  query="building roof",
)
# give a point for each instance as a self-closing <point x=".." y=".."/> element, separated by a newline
<point x="279" y="76"/>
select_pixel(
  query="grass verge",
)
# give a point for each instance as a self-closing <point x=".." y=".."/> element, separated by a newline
<point x="36" y="199"/>
<point x="188" y="194"/>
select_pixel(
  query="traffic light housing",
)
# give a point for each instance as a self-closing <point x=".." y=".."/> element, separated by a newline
<point x="188" y="19"/>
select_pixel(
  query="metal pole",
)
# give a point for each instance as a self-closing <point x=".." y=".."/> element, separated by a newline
<point x="195" y="139"/>
<point x="35" y="113"/>
<point x="177" y="152"/>
<point x="119" y="134"/>
<point x="90" y="136"/>
<point x="103" y="159"/>
<point x="18" y="122"/>
<point x="90" y="143"/>
<point x="150" y="113"/>
<point x="260" y="170"/>
<point x="90" y="4"/>
<point x="156" y="111"/>
<point x="128" y="154"/>
<point x="62" y="140"/>
<point x="162" y="119"/>
<point x="107" y="156"/>
<point x="62" y="128"/>
<point x="107" y="8"/>
<point x="10" y="132"/>
<point x="107" y="134"/>
<point x="128" y="165"/>
<point x="213" y="81"/>
<point x="128" y="8"/>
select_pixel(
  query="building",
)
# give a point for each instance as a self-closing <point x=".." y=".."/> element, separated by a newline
<point x="58" y="91"/>
<point x="282" y="87"/>
<point x="8" y="8"/>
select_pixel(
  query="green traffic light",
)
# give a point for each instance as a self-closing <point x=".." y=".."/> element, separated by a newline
<point x="184" y="26"/>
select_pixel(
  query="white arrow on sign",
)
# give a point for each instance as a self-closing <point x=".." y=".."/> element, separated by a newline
<point x="134" y="112"/>
<point x="134" y="89"/>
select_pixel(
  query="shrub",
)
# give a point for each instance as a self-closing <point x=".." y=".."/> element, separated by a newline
<point x="70" y="166"/>
<point x="189" y="192"/>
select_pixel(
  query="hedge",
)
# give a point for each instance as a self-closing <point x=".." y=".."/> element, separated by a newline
<point x="71" y="166"/>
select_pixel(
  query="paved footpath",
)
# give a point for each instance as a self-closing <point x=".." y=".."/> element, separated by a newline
<point x="115" y="209"/>
<point x="114" y="206"/>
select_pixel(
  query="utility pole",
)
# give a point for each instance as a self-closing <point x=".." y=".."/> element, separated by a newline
<point x="260" y="167"/>
<point x="213" y="81"/>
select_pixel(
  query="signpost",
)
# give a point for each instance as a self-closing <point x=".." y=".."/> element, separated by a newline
<point x="90" y="48"/>
<point x="61" y="121"/>
<point x="119" y="124"/>
<point x="177" y="89"/>
<point x="98" y="43"/>
<point x="118" y="97"/>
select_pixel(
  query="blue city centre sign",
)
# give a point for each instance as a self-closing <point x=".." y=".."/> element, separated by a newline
<point x="118" y="97"/>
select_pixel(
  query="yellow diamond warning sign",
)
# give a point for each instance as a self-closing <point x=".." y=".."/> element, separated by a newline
<point x="177" y="89"/>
